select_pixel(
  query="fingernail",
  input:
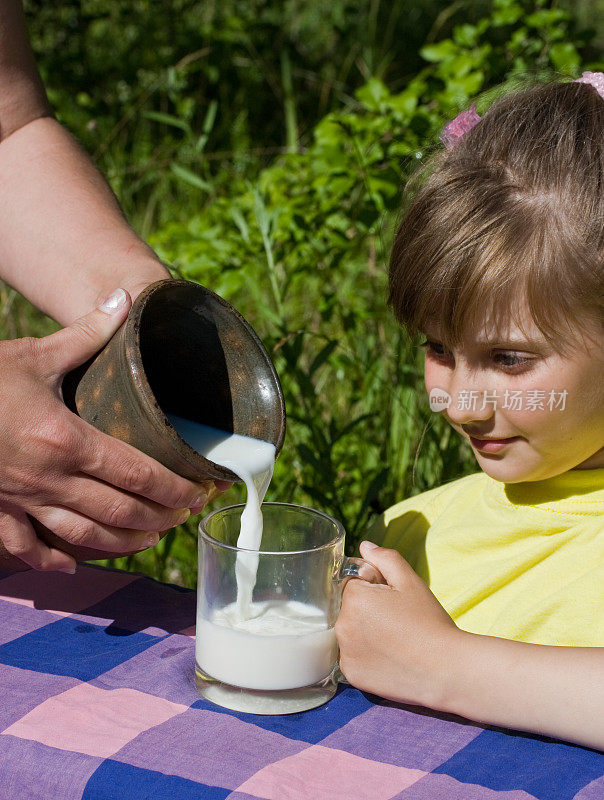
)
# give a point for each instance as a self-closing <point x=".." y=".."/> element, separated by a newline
<point x="114" y="302"/>
<point x="151" y="540"/>
<point x="200" y="500"/>
<point x="369" y="545"/>
<point x="68" y="570"/>
<point x="183" y="516"/>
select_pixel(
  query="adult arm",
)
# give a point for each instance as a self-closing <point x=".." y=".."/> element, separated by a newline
<point x="65" y="245"/>
<point x="398" y="642"/>
<point x="64" y="242"/>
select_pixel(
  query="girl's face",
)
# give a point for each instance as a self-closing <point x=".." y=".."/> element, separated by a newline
<point x="529" y="412"/>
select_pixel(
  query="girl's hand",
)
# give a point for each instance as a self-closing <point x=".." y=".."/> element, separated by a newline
<point x="396" y="640"/>
<point x="99" y="496"/>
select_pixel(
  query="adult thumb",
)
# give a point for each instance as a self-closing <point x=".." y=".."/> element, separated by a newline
<point x="391" y="564"/>
<point x="76" y="343"/>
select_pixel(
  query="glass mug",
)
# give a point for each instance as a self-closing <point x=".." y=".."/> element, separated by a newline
<point x="274" y="651"/>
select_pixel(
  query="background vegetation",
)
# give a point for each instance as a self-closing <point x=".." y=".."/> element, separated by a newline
<point x="261" y="147"/>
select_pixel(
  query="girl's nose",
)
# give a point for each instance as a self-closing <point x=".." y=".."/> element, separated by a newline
<point x="471" y="399"/>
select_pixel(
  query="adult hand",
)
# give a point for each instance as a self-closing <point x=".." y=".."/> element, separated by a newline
<point x="395" y="639"/>
<point x="91" y="490"/>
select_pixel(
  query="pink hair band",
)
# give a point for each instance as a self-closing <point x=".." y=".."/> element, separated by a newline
<point x="464" y="122"/>
<point x="595" y="79"/>
<point x="458" y="127"/>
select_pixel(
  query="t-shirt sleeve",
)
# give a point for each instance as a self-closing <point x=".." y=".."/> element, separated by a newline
<point x="404" y="526"/>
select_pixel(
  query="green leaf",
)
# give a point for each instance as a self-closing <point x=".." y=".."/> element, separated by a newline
<point x="373" y="93"/>
<point x="168" y="119"/>
<point x="465" y="35"/>
<point x="317" y="495"/>
<point x="508" y="15"/>
<point x="263" y="218"/>
<point x="322" y="356"/>
<point x="210" y="117"/>
<point x="439" y="52"/>
<point x="310" y="457"/>
<point x="546" y="17"/>
<point x="190" y="177"/>
<point x="208" y="124"/>
<point x="565" y="58"/>
<point x="407" y="100"/>
<point x="241" y="223"/>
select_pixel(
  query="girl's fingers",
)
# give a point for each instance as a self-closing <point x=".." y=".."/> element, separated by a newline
<point x="20" y="540"/>
<point x="391" y="565"/>
<point x="78" y="530"/>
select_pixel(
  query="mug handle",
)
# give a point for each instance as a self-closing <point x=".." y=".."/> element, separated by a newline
<point x="358" y="568"/>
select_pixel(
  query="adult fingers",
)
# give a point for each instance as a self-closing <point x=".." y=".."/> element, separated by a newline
<point x="76" y="343"/>
<point x="77" y="530"/>
<point x="119" y="464"/>
<point x="113" y="507"/>
<point x="20" y="540"/>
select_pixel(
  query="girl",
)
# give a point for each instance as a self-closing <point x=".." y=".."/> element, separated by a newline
<point x="499" y="263"/>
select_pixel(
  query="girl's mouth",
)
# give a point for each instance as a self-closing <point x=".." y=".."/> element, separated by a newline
<point x="491" y="445"/>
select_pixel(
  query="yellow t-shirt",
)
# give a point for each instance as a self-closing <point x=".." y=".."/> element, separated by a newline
<point x="521" y="561"/>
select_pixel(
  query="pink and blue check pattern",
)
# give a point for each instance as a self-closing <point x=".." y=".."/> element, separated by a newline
<point x="98" y="702"/>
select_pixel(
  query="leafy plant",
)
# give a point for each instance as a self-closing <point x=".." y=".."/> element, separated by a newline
<point x="183" y="117"/>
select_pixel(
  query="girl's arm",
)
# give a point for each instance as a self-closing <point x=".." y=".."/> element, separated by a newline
<point x="555" y="691"/>
<point x="398" y="642"/>
<point x="64" y="242"/>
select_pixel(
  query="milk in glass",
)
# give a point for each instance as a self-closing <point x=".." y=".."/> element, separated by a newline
<point x="282" y="645"/>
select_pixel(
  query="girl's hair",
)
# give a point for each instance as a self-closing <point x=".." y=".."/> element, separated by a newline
<point x="511" y="217"/>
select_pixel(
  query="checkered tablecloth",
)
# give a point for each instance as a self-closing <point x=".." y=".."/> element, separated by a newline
<point x="98" y="702"/>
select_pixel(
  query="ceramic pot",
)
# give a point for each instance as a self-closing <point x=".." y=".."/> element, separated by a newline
<point x="182" y="350"/>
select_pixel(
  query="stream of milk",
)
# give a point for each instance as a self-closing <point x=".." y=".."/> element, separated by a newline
<point x="253" y="461"/>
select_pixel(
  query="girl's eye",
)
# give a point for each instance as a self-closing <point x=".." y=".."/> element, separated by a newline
<point x="436" y="349"/>
<point x="511" y="360"/>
